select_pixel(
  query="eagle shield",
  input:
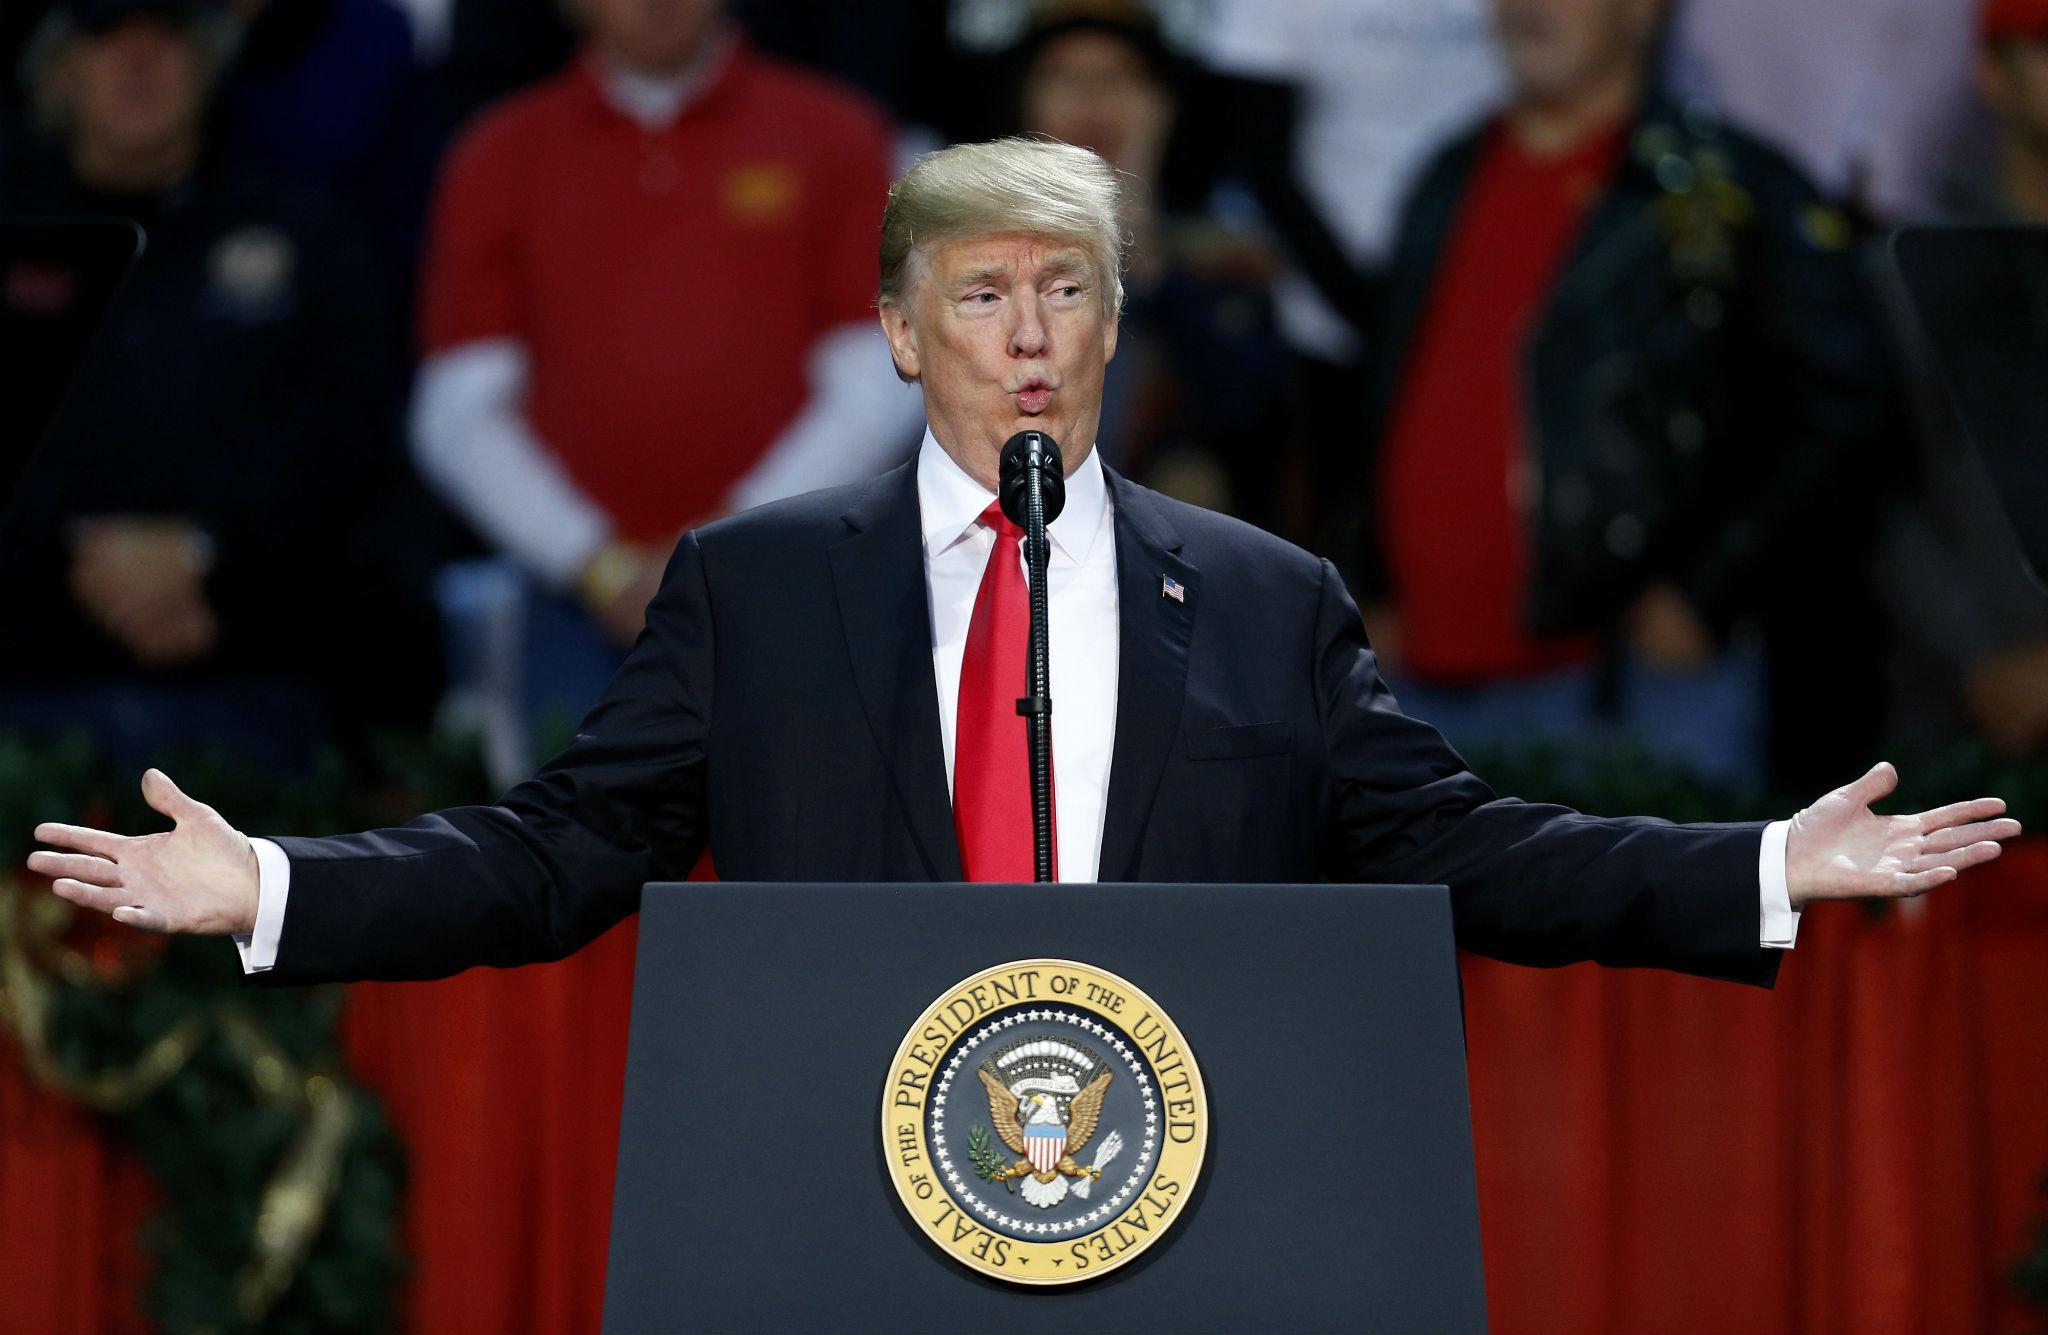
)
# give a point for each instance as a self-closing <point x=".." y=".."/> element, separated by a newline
<point x="1044" y="1145"/>
<point x="1044" y="1096"/>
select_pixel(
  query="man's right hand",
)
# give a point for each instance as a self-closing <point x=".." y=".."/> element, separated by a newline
<point x="625" y="616"/>
<point x="199" y="877"/>
<point x="617" y="586"/>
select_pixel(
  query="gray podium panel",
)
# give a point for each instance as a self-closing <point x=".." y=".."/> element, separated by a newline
<point x="1337" y="1193"/>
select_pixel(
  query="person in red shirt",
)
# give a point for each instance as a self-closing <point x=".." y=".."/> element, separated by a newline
<point x="1629" y="362"/>
<point x="1456" y="470"/>
<point x="648" y="298"/>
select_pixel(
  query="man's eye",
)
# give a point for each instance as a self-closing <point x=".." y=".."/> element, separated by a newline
<point x="983" y="298"/>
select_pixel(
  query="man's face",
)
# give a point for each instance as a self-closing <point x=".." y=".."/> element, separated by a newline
<point x="1556" y="47"/>
<point x="656" y="37"/>
<point x="136" y="90"/>
<point x="2013" y="76"/>
<point x="1095" y="91"/>
<point x="1005" y="333"/>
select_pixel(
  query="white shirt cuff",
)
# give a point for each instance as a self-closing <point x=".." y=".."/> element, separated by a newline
<point x="258" y="949"/>
<point x="1778" y="921"/>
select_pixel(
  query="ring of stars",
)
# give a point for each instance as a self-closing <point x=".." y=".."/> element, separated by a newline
<point x="958" y="1183"/>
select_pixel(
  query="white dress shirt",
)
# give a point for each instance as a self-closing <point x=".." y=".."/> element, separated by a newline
<point x="1081" y="593"/>
<point x="1080" y="586"/>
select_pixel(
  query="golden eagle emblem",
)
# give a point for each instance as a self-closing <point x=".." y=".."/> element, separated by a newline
<point x="1045" y="1098"/>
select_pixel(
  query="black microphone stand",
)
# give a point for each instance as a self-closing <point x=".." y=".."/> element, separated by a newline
<point x="1034" y="491"/>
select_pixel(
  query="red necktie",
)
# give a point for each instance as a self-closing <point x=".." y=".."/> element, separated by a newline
<point x="991" y="760"/>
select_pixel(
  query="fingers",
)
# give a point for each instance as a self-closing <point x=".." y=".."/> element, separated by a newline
<point x="102" y="842"/>
<point x="76" y="866"/>
<point x="111" y="902"/>
<point x="1961" y="860"/>
<point x="95" y="897"/>
<point x="1955" y="813"/>
<point x="1905" y="885"/>
<point x="134" y="915"/>
<point x="1975" y="855"/>
<point x="168" y="799"/>
<point x="1961" y="836"/>
<point x="1874" y="786"/>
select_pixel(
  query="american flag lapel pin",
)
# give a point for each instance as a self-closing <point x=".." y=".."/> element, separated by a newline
<point x="1169" y="587"/>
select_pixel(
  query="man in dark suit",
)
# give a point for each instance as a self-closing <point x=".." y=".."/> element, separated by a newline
<point x="815" y="674"/>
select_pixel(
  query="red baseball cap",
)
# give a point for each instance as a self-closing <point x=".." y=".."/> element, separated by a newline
<point x="2002" y="20"/>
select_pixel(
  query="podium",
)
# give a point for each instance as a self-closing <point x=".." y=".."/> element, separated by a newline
<point x="761" y="1186"/>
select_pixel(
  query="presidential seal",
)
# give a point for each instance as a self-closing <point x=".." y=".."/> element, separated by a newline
<point x="1044" y="1122"/>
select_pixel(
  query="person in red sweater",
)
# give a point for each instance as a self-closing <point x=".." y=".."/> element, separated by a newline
<point x="648" y="298"/>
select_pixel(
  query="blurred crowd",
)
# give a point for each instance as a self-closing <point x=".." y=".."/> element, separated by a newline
<point x="1565" y="327"/>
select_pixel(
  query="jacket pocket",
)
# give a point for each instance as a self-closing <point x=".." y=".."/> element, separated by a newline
<point x="1238" y="741"/>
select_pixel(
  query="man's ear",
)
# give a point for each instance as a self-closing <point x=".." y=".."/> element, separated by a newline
<point x="902" y="338"/>
<point x="1109" y="340"/>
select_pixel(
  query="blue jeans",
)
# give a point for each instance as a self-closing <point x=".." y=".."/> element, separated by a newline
<point x="524" y="663"/>
<point x="566" y="665"/>
<point x="1712" y="721"/>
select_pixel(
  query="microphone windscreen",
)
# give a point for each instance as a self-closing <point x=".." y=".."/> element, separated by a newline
<point x="1024" y="453"/>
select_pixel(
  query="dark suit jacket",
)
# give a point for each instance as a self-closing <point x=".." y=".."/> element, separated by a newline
<point x="1707" y="379"/>
<point x="781" y="708"/>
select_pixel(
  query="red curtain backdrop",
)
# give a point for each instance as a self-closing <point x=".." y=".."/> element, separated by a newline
<point x="1857" y="1151"/>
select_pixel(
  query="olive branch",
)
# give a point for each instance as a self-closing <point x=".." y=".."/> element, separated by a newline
<point x="988" y="1165"/>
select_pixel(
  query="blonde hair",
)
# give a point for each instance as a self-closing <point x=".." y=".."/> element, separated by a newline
<point x="1034" y="186"/>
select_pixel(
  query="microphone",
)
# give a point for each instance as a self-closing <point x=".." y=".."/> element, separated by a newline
<point x="1026" y="453"/>
<point x="1032" y="482"/>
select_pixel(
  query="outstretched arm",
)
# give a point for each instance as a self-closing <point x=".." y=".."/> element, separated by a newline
<point x="557" y="861"/>
<point x="1546" y="885"/>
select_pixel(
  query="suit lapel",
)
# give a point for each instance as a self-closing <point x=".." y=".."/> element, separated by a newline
<point x="885" y="613"/>
<point x="1154" y="630"/>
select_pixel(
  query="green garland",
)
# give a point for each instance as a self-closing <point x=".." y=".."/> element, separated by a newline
<point x="2030" y="1272"/>
<point x="281" y="1178"/>
<point x="1625" y="780"/>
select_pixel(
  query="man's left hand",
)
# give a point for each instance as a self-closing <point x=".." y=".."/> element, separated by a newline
<point x="1839" y="848"/>
<point x="1666" y="632"/>
<point x="143" y="579"/>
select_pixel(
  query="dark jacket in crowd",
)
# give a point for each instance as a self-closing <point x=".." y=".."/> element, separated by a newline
<point x="328" y="89"/>
<point x="1708" y="383"/>
<point x="245" y="379"/>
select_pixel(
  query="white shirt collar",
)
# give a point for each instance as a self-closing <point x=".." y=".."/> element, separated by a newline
<point x="656" y="101"/>
<point x="951" y="503"/>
